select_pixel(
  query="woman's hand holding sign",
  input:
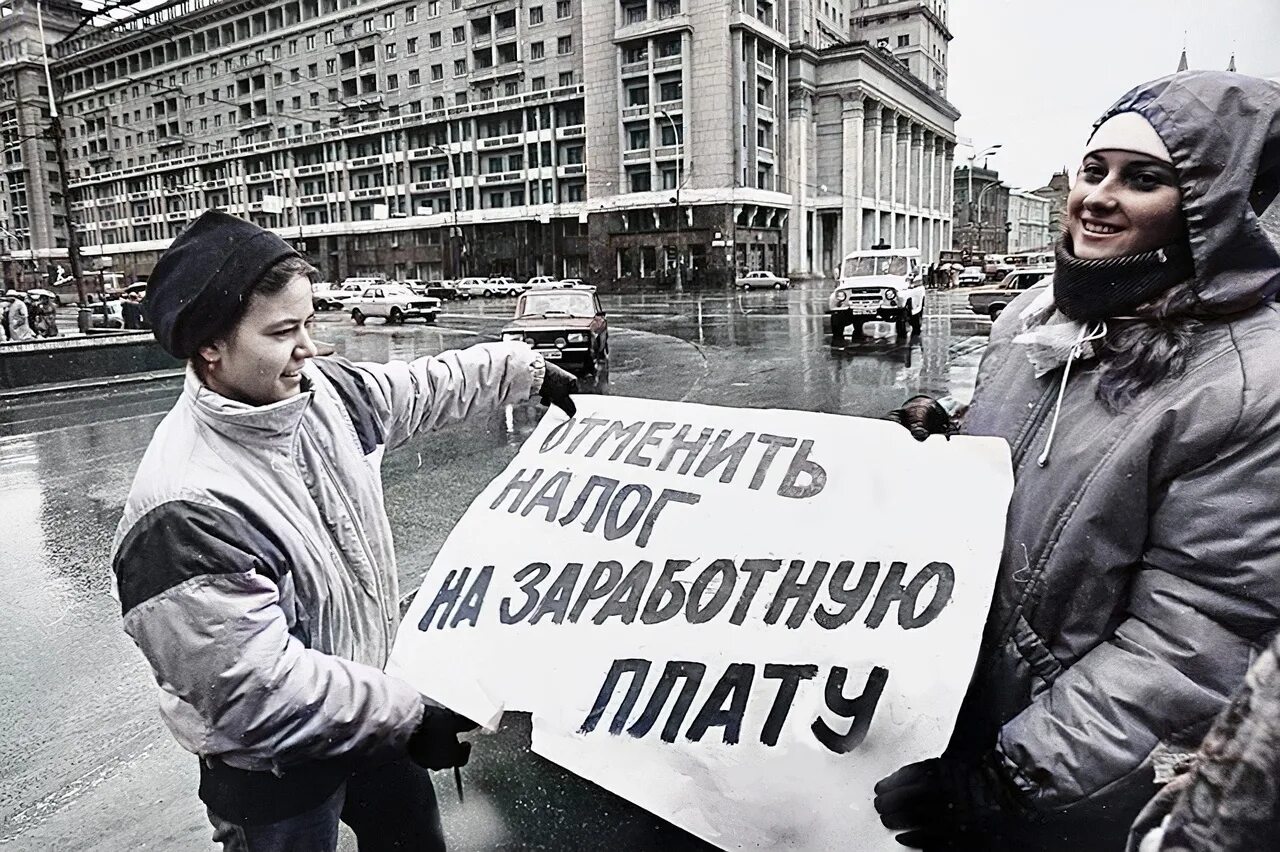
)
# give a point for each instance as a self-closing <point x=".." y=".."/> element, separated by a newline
<point x="557" y="385"/>
<point x="944" y="803"/>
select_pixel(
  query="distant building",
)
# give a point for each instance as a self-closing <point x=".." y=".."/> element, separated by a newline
<point x="1029" y="216"/>
<point x="1056" y="192"/>
<point x="980" y="224"/>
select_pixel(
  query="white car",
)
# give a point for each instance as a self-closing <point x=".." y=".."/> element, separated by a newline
<point x="326" y="297"/>
<point x="878" y="284"/>
<point x="544" y="282"/>
<point x="394" y="303"/>
<point x="763" y="279"/>
<point x="472" y="287"/>
<point x="500" y="285"/>
<point x="971" y="275"/>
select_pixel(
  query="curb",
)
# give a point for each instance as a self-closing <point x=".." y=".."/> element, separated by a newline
<point x="89" y="384"/>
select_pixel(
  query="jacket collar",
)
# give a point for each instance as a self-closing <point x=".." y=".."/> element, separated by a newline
<point x="250" y="425"/>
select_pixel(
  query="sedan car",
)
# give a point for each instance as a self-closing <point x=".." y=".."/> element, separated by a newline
<point x="393" y="303"/>
<point x="762" y="279"/>
<point x="565" y="326"/>
<point x="971" y="275"/>
<point x="991" y="301"/>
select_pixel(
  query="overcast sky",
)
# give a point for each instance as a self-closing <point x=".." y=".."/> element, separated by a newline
<point x="1035" y="74"/>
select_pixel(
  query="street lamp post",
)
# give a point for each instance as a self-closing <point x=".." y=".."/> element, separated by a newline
<point x="978" y="218"/>
<point x="679" y="137"/>
<point x="990" y="149"/>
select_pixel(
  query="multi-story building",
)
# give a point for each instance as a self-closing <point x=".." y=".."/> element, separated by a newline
<point x="981" y="221"/>
<point x="413" y="139"/>
<point x="1029" y="218"/>
<point x="872" y="134"/>
<point x="1056" y="192"/>
<point x="33" y="229"/>
<point x="617" y="140"/>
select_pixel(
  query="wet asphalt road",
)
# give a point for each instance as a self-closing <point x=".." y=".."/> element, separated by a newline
<point x="85" y="762"/>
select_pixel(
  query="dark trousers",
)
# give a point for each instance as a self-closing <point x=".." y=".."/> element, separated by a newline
<point x="389" y="807"/>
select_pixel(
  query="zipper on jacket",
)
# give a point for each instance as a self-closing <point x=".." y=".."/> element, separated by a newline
<point x="359" y="530"/>
<point x="1032" y="426"/>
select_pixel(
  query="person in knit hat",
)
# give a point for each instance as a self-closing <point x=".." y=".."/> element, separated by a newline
<point x="254" y="561"/>
<point x="1139" y="392"/>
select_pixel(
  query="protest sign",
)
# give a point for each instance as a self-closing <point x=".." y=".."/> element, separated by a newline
<point x="738" y="619"/>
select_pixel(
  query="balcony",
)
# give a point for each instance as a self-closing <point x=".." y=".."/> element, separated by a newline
<point x="571" y="170"/>
<point x="248" y="125"/>
<point x="636" y="156"/>
<point x="361" y="162"/>
<point x="369" y="192"/>
<point x="663" y="62"/>
<point x="144" y="220"/>
<point x="667" y="152"/>
<point x="500" y="141"/>
<point x="260" y="177"/>
<point x="138" y="196"/>
<point x="357" y="37"/>
<point x="424" y="153"/>
<point x="635" y="111"/>
<point x="504" y="177"/>
<point x="764" y="113"/>
<point x="171" y="142"/>
<point x="178" y="216"/>
<point x="630" y="68"/>
<point x="764" y="69"/>
<point x="571" y="131"/>
<point x="669" y="106"/>
<point x="312" y="199"/>
<point x="428" y="185"/>
<point x="302" y="171"/>
<point x="764" y="152"/>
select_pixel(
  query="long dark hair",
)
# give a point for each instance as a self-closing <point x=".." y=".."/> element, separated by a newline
<point x="1140" y="353"/>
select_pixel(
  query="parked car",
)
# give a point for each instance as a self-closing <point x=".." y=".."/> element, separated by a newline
<point x="763" y="279"/>
<point x="326" y="297"/>
<point x="971" y="275"/>
<point x="577" y="283"/>
<point x="544" y="282"/>
<point x="501" y="285"/>
<point x="443" y="290"/>
<point x="883" y="284"/>
<point x="567" y="326"/>
<point x="107" y="314"/>
<point x="394" y="303"/>
<point x="472" y="287"/>
<point x="990" y="301"/>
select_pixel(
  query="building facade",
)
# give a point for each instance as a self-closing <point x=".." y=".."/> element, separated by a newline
<point x="627" y="141"/>
<point x="981" y="219"/>
<point x="1029" y="222"/>
<point x="1056" y="192"/>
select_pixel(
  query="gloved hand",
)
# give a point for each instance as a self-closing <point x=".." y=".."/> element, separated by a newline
<point x="435" y="743"/>
<point x="557" y="384"/>
<point x="924" y="416"/>
<point x="947" y="804"/>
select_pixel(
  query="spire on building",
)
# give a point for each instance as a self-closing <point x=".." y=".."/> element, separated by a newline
<point x="1231" y="66"/>
<point x="1182" y="63"/>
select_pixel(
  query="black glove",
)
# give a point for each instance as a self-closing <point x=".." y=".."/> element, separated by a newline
<point x="924" y="416"/>
<point x="557" y="384"/>
<point x="948" y="804"/>
<point x="435" y="743"/>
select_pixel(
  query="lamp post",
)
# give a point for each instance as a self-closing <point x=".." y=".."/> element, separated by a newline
<point x="454" y="233"/>
<point x="990" y="149"/>
<point x="679" y="137"/>
<point x="978" y="218"/>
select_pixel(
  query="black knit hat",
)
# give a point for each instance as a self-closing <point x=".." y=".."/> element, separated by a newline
<point x="196" y="290"/>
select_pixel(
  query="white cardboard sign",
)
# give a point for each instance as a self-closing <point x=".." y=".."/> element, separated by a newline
<point x="738" y="619"/>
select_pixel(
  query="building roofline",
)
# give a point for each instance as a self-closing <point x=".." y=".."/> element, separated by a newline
<point x="865" y="50"/>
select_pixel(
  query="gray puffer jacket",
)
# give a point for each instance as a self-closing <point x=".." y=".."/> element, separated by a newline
<point x="1141" y="569"/>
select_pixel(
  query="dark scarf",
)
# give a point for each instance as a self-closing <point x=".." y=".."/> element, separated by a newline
<point x="1091" y="290"/>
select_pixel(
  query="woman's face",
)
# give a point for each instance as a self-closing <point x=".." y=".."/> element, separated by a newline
<point x="1122" y="204"/>
<point x="260" y="361"/>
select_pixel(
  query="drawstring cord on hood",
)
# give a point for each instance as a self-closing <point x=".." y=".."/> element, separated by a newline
<point x="1085" y="336"/>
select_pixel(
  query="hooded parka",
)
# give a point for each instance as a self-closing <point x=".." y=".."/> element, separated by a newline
<point x="1141" y="567"/>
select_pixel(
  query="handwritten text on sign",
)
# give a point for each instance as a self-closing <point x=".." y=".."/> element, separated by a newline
<point x="725" y="615"/>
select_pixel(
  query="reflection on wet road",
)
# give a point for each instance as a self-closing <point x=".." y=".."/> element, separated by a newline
<point x="86" y="763"/>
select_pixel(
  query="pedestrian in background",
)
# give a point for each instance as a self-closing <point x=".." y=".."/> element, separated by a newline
<point x="254" y="561"/>
<point x="18" y="318"/>
<point x="44" y="317"/>
<point x="131" y="311"/>
<point x="1140" y="395"/>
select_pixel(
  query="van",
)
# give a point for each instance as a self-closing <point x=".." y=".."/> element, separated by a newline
<point x="883" y="284"/>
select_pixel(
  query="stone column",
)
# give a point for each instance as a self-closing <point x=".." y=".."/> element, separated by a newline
<point x="902" y="150"/>
<point x="851" y="140"/>
<point x="889" y="161"/>
<point x="871" y="153"/>
<point x="799" y="119"/>
<point x="948" y="192"/>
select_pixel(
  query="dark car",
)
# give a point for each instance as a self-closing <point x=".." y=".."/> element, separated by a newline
<point x="567" y="326"/>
